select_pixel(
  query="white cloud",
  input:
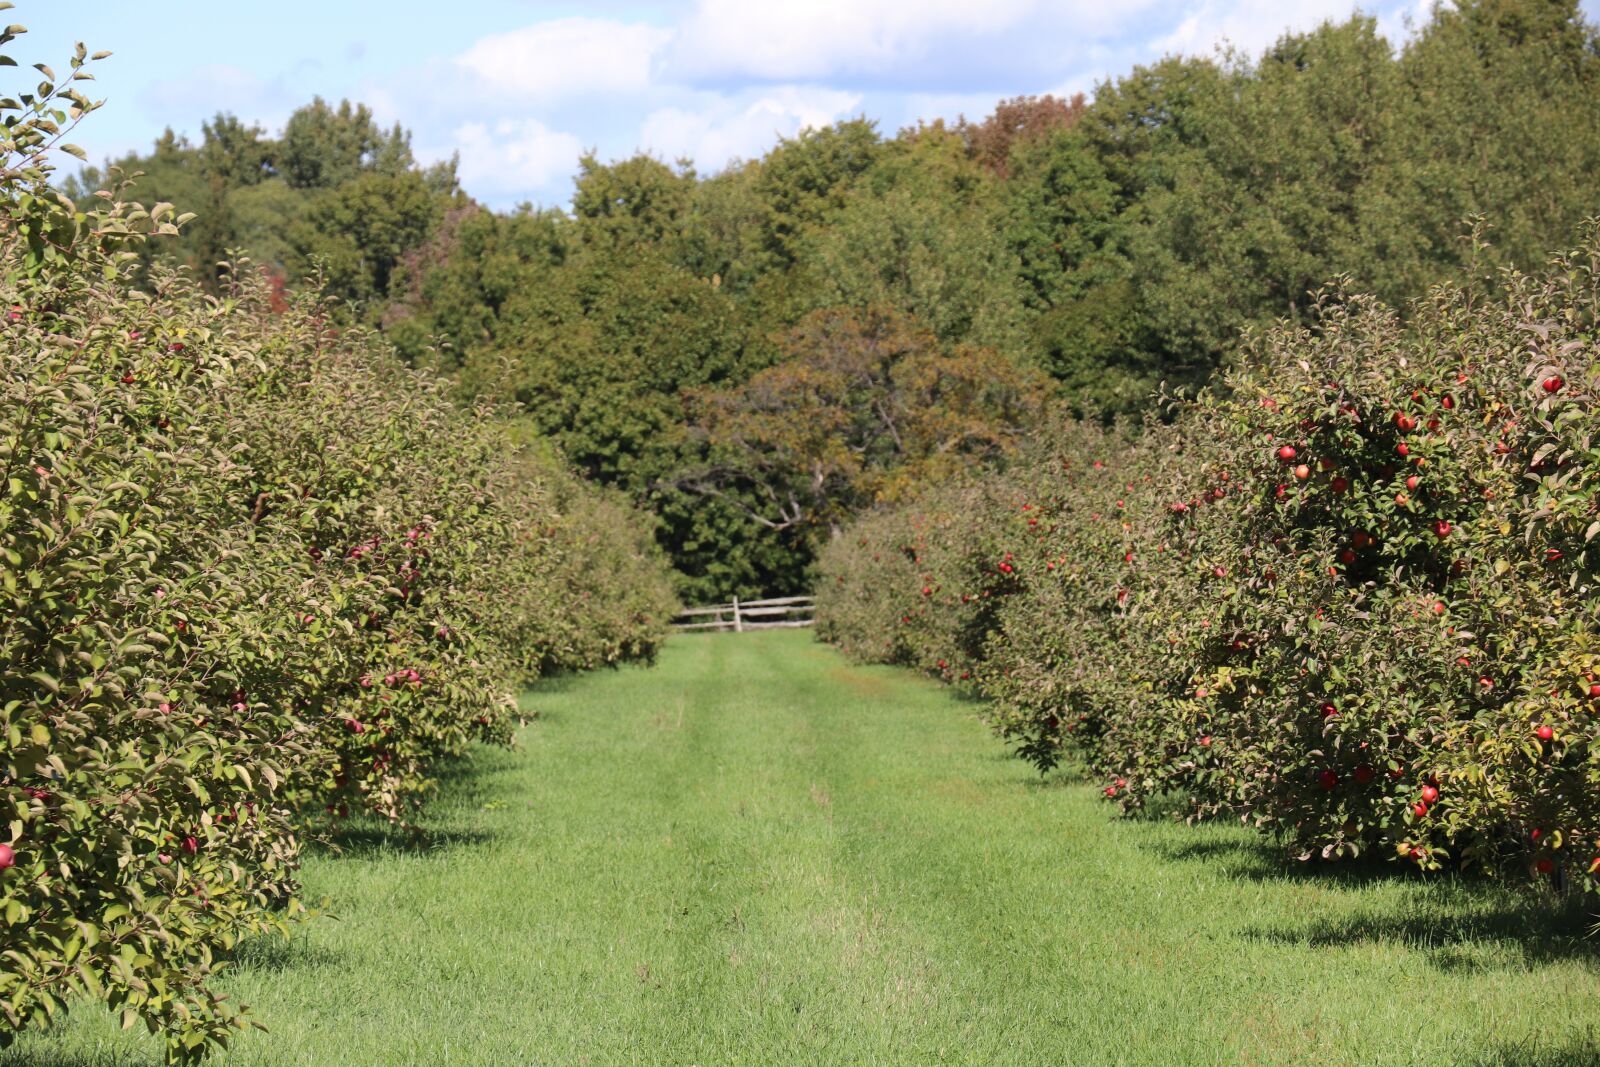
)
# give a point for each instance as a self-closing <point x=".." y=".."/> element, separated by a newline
<point x="723" y="129"/>
<point x="514" y="158"/>
<point x="565" y="57"/>
<point x="1249" y="25"/>
<point x="809" y="40"/>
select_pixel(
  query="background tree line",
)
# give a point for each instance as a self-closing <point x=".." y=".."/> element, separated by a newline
<point x="758" y="353"/>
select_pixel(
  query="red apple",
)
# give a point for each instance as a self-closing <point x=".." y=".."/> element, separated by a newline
<point x="8" y="857"/>
<point x="1327" y="779"/>
<point x="1419" y="809"/>
<point x="1553" y="383"/>
<point x="1544" y="866"/>
<point x="1545" y="732"/>
<point x="1339" y="485"/>
<point x="1441" y="529"/>
<point x="1429" y="794"/>
<point x="1302" y="472"/>
<point x="1363" y="774"/>
<point x="1287" y="453"/>
<point x="1412" y="482"/>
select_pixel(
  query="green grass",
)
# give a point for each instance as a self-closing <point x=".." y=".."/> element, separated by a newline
<point x="758" y="854"/>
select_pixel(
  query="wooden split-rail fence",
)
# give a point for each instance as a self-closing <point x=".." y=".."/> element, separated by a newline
<point x="779" y="613"/>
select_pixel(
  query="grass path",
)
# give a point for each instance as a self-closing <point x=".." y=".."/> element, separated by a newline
<point x="759" y="854"/>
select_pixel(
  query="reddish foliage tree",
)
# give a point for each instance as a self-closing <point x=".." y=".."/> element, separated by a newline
<point x="1018" y="120"/>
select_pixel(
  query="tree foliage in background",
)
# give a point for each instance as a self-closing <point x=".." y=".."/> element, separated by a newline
<point x="1114" y="243"/>
<point x="333" y="188"/>
<point x="862" y="408"/>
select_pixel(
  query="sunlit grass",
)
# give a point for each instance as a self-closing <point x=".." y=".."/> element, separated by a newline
<point x="758" y="854"/>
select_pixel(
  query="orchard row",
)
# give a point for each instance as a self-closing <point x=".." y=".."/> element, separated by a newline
<point x="1346" y="595"/>
<point x="254" y="576"/>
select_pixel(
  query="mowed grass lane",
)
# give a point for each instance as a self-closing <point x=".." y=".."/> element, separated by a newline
<point x="759" y="854"/>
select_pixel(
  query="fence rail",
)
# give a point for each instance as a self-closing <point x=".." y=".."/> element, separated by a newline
<point x="776" y="613"/>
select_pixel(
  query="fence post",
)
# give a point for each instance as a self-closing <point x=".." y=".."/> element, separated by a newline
<point x="738" y="623"/>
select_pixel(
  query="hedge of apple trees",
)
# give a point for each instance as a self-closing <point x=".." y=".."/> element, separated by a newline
<point x="253" y="574"/>
<point x="1348" y="595"/>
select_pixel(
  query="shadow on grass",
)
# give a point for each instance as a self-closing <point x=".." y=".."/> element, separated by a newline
<point x="37" y="1057"/>
<point x="1578" y="1052"/>
<point x="963" y="695"/>
<point x="1019" y="774"/>
<point x="1470" y="932"/>
<point x="274" y="954"/>
<point x="1053" y="782"/>
<point x="370" y="839"/>
<point x="476" y="781"/>
<point x="474" y="768"/>
<point x="1460" y="921"/>
<point x="1262" y="860"/>
<point x="1067" y="772"/>
<point x="552" y="684"/>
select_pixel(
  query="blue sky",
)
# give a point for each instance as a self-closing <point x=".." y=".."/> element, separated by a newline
<point x="520" y="88"/>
